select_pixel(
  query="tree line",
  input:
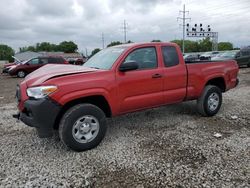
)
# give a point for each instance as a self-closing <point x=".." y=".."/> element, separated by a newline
<point x="6" y="52"/>
<point x="65" y="46"/>
<point x="203" y="45"/>
<point x="70" y="47"/>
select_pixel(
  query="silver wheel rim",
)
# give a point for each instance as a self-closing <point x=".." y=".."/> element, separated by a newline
<point x="85" y="129"/>
<point x="213" y="101"/>
<point x="21" y="74"/>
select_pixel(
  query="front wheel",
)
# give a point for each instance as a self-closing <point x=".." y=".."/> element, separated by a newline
<point x="21" y="74"/>
<point x="82" y="127"/>
<point x="210" y="101"/>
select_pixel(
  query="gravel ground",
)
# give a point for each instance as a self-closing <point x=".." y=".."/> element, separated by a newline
<point x="171" y="146"/>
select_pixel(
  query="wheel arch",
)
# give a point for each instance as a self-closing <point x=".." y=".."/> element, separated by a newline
<point x="97" y="100"/>
<point x="217" y="81"/>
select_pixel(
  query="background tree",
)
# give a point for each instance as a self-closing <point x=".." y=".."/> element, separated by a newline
<point x="65" y="46"/>
<point x="225" y="46"/>
<point x="156" y="40"/>
<point x="44" y="46"/>
<point x="27" y="48"/>
<point x="114" y="43"/>
<point x="94" y="52"/>
<point x="68" y="47"/>
<point x="205" y="45"/>
<point x="6" y="52"/>
<point x="190" y="46"/>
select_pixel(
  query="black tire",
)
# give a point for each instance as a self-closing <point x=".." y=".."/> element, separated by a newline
<point x="68" y="122"/>
<point x="203" y="102"/>
<point x="21" y="74"/>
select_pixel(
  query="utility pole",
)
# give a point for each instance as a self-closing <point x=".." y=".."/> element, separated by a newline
<point x="183" y="18"/>
<point x="125" y="30"/>
<point x="86" y="52"/>
<point x="103" y="41"/>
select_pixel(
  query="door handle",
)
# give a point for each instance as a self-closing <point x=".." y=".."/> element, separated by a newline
<point x="156" y="75"/>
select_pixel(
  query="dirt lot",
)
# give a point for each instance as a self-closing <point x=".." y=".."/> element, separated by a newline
<point x="171" y="146"/>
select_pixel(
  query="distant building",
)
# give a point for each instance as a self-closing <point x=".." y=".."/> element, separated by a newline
<point x="22" y="56"/>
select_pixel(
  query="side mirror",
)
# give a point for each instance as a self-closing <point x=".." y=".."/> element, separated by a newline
<point x="128" y="66"/>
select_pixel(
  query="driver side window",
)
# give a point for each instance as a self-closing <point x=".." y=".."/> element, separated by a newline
<point x="145" y="58"/>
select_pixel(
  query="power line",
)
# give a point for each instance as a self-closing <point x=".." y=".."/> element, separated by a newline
<point x="183" y="18"/>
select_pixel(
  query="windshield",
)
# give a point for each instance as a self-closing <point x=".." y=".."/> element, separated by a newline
<point x="105" y="58"/>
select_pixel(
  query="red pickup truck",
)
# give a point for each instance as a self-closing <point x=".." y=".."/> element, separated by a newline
<point x="76" y="100"/>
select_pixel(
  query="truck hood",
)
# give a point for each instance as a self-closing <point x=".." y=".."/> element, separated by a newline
<point x="51" y="71"/>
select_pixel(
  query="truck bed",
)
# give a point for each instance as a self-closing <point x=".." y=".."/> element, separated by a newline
<point x="200" y="61"/>
<point x="201" y="71"/>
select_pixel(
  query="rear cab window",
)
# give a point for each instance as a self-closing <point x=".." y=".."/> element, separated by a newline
<point x="170" y="56"/>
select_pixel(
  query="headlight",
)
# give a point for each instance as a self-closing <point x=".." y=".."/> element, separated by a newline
<point x="40" y="92"/>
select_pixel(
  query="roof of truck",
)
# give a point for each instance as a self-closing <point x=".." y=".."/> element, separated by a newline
<point x="143" y="43"/>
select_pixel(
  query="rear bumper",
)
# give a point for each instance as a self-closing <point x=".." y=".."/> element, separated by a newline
<point x="40" y="114"/>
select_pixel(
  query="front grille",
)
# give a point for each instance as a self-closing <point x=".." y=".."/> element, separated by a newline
<point x="18" y="93"/>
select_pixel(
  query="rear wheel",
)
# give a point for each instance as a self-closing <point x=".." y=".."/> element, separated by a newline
<point x="82" y="127"/>
<point x="210" y="101"/>
<point x="21" y="74"/>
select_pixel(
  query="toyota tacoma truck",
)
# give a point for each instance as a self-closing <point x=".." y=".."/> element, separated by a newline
<point x="77" y="100"/>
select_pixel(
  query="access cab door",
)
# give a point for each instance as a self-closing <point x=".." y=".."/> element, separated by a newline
<point x="141" y="88"/>
<point x="174" y="74"/>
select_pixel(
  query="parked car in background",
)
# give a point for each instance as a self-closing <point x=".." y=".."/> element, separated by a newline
<point x="226" y="55"/>
<point x="22" y="69"/>
<point x="6" y="66"/>
<point x="208" y="55"/>
<point x="191" y="57"/>
<point x="241" y="56"/>
<point x="76" y="61"/>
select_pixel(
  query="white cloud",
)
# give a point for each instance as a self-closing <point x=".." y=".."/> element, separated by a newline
<point x="26" y="22"/>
